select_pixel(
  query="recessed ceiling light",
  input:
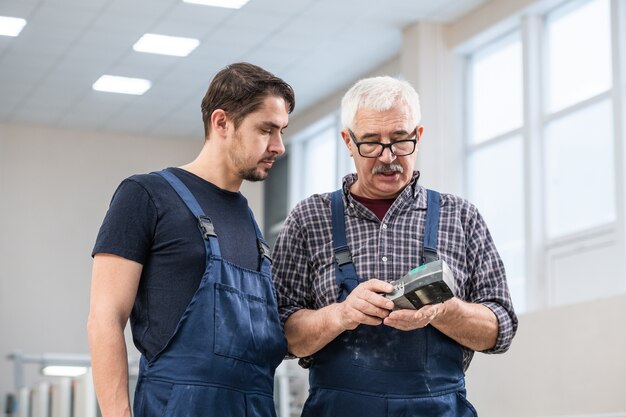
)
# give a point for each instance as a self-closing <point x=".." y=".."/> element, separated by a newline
<point x="230" y="4"/>
<point x="123" y="85"/>
<point x="11" y="26"/>
<point x="165" y="45"/>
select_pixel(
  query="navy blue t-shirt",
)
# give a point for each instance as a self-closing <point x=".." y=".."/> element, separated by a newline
<point x="147" y="222"/>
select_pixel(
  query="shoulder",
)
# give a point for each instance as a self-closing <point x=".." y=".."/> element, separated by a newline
<point x="457" y="203"/>
<point x="312" y="207"/>
<point x="149" y="182"/>
<point x="309" y="215"/>
<point x="151" y="185"/>
<point x="462" y="211"/>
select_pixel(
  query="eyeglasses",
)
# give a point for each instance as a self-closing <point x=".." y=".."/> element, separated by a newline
<point x="402" y="147"/>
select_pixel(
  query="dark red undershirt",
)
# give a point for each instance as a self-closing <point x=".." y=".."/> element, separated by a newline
<point x="379" y="206"/>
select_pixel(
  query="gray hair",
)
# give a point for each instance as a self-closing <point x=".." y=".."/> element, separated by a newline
<point x="378" y="94"/>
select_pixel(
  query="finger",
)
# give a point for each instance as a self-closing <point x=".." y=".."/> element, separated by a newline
<point x="370" y="297"/>
<point x="371" y="321"/>
<point x="429" y="312"/>
<point x="362" y="318"/>
<point x="407" y="319"/>
<point x="402" y="324"/>
<point x="372" y="310"/>
<point x="407" y="315"/>
<point x="377" y="286"/>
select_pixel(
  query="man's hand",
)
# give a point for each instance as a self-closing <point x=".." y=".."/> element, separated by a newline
<point x="366" y="305"/>
<point x="407" y="319"/>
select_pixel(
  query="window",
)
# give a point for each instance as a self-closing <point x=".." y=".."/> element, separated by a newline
<point x="496" y="89"/>
<point x="495" y="151"/>
<point x="315" y="161"/>
<point x="319" y="161"/>
<point x="578" y="64"/>
<point x="579" y="158"/>
<point x="578" y="136"/>
<point x="541" y="158"/>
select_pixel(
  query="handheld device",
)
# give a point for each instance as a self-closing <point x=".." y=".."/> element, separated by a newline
<point x="430" y="283"/>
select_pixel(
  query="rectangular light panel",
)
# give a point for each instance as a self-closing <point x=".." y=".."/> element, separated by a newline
<point x="122" y="85"/>
<point x="230" y="4"/>
<point x="11" y="26"/>
<point x="165" y="45"/>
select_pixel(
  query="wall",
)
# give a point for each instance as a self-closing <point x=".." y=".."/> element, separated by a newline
<point x="567" y="361"/>
<point x="55" y="187"/>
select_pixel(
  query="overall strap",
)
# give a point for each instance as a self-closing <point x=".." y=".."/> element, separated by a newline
<point x="431" y="230"/>
<point x="204" y="223"/>
<point x="265" y="257"/>
<point x="345" y="274"/>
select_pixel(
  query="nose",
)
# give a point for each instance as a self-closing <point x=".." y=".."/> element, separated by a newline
<point x="276" y="145"/>
<point x="387" y="156"/>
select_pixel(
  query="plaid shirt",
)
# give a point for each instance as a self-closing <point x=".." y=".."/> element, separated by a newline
<point x="304" y="268"/>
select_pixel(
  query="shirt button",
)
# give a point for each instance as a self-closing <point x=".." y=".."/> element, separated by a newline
<point x="384" y="259"/>
<point x="384" y="225"/>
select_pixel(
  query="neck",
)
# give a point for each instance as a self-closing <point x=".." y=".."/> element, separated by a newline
<point x="211" y="166"/>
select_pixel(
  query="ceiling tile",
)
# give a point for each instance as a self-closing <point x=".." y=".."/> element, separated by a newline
<point x="317" y="45"/>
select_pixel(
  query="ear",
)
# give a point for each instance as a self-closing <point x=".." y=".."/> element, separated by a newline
<point x="420" y="129"/>
<point x="346" y="139"/>
<point x="220" y="122"/>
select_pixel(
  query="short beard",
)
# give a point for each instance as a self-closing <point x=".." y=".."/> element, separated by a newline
<point x="252" y="174"/>
<point x="379" y="169"/>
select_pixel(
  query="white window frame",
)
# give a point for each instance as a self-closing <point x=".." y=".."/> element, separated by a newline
<point x="297" y="156"/>
<point x="541" y="251"/>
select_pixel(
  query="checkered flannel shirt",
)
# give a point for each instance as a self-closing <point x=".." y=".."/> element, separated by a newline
<point x="304" y="268"/>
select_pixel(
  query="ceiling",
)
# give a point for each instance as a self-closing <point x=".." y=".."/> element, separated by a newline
<point x="318" y="46"/>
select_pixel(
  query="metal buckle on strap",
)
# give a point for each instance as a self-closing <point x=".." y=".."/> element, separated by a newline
<point x="264" y="250"/>
<point x="343" y="256"/>
<point x="206" y="227"/>
<point x="429" y="255"/>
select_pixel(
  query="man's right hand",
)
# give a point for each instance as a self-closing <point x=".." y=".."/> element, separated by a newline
<point x="308" y="331"/>
<point x="366" y="305"/>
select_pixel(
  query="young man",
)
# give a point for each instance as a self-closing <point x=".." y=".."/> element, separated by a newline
<point x="180" y="254"/>
<point x="338" y="251"/>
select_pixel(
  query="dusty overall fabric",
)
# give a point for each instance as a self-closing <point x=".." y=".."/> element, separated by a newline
<point x="378" y="371"/>
<point x="222" y="356"/>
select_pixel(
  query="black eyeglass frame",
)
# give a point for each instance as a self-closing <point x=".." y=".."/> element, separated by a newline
<point x="389" y="145"/>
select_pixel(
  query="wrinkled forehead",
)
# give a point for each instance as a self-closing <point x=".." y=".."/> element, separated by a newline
<point x="398" y="117"/>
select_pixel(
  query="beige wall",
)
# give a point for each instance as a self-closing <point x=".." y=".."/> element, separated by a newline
<point x="55" y="187"/>
<point x="567" y="361"/>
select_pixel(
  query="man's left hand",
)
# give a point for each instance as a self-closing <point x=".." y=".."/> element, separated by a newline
<point x="407" y="319"/>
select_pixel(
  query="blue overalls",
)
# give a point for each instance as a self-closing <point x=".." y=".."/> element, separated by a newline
<point x="379" y="371"/>
<point x="225" y="349"/>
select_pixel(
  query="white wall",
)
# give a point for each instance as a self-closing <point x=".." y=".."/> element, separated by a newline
<point x="567" y="361"/>
<point x="55" y="187"/>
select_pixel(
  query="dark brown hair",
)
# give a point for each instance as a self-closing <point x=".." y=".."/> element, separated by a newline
<point x="239" y="89"/>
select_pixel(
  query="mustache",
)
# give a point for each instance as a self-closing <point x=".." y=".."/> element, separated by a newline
<point x="386" y="168"/>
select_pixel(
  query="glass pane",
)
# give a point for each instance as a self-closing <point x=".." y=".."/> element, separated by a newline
<point x="496" y="89"/>
<point x="320" y="161"/>
<point x="579" y="170"/>
<point x="579" y="52"/>
<point x="496" y="187"/>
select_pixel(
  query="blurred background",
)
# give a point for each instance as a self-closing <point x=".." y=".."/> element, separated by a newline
<point x="523" y="102"/>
